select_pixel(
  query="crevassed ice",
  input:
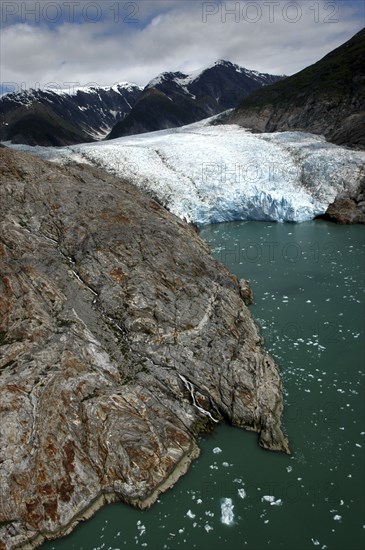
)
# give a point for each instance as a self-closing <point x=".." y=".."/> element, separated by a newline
<point x="208" y="174"/>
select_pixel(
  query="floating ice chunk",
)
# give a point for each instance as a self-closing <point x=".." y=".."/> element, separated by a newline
<point x="141" y="528"/>
<point x="242" y="493"/>
<point x="315" y="542"/>
<point x="289" y="469"/>
<point x="217" y="450"/>
<point x="271" y="499"/>
<point x="208" y="528"/>
<point x="227" y="514"/>
<point x="337" y="517"/>
<point x="190" y="514"/>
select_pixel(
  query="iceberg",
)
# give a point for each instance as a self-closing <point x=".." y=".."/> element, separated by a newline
<point x="208" y="173"/>
<point x="227" y="514"/>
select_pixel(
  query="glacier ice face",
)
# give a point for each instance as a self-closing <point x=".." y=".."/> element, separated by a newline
<point x="208" y="174"/>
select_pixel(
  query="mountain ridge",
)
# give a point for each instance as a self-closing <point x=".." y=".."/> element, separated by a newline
<point x="58" y="117"/>
<point x="175" y="99"/>
<point x="326" y="98"/>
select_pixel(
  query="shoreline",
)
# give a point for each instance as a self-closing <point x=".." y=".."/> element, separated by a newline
<point x="103" y="499"/>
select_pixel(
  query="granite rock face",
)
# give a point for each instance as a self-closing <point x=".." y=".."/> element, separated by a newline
<point x="121" y="338"/>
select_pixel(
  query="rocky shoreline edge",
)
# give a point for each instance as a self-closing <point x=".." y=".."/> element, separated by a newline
<point x="109" y="498"/>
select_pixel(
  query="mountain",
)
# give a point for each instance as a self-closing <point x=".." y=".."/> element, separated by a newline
<point x="59" y="117"/>
<point x="327" y="98"/>
<point x="175" y="98"/>
<point x="121" y="339"/>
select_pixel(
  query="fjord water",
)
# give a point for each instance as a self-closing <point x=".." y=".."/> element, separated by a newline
<point x="308" y="282"/>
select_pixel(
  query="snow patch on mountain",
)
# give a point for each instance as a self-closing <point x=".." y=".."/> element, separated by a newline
<point x="208" y="174"/>
<point x="74" y="90"/>
<point x="186" y="79"/>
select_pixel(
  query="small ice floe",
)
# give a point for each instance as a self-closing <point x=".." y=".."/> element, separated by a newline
<point x="141" y="528"/>
<point x="337" y="517"/>
<point x="225" y="464"/>
<point x="199" y="501"/>
<point x="217" y="450"/>
<point x="208" y="528"/>
<point x="271" y="499"/>
<point x="289" y="469"/>
<point x="278" y="502"/>
<point x="190" y="514"/>
<point x="227" y="514"/>
<point x="315" y="542"/>
<point x="242" y="493"/>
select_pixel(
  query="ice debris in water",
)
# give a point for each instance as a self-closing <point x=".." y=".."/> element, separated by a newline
<point x="227" y="514"/>
<point x="217" y="450"/>
<point x="271" y="499"/>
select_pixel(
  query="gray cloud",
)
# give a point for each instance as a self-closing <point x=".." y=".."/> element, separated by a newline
<point x="277" y="37"/>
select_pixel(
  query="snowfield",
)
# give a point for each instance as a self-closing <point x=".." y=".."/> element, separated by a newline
<point x="208" y="174"/>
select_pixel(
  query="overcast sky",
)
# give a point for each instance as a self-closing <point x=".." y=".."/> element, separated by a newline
<point x="104" y="42"/>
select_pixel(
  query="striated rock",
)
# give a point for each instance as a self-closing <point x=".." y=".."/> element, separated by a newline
<point x="121" y="338"/>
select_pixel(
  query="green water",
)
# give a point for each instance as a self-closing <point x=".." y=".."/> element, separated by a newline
<point x="308" y="281"/>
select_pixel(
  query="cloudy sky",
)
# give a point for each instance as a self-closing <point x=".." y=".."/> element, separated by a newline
<point x="58" y="42"/>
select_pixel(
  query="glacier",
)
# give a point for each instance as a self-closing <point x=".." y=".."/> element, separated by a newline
<point x="206" y="173"/>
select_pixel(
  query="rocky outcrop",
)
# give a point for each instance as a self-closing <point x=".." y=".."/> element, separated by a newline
<point x="246" y="292"/>
<point x="121" y="338"/>
<point x="326" y="98"/>
<point x="347" y="207"/>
